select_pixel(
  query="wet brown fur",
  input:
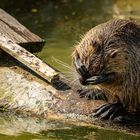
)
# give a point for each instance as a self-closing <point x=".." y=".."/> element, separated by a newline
<point x="114" y="46"/>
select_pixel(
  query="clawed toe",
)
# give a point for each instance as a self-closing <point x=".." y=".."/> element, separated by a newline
<point x="82" y="93"/>
<point x="92" y="94"/>
<point x="110" y="111"/>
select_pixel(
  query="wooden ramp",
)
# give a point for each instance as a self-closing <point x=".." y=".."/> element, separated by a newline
<point x="28" y="59"/>
<point x="19" y="34"/>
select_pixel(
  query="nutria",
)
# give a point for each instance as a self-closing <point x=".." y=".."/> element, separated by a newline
<point x="108" y="58"/>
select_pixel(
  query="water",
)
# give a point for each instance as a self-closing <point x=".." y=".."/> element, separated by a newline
<point x="62" y="23"/>
<point x="17" y="127"/>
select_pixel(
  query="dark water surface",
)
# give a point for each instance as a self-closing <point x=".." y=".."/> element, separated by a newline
<point x="61" y="23"/>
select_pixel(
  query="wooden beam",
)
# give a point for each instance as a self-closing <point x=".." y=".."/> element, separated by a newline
<point x="15" y="31"/>
<point x="28" y="59"/>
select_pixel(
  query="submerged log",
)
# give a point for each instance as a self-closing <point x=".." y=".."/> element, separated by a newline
<point x="15" y="31"/>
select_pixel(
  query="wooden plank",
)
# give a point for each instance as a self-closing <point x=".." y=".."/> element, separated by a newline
<point x="28" y="59"/>
<point x="15" y="31"/>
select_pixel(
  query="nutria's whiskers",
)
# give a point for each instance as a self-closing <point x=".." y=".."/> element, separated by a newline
<point x="71" y="75"/>
<point x="73" y="82"/>
<point x="63" y="64"/>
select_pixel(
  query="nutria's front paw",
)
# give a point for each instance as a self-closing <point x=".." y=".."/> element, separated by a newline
<point x="112" y="111"/>
<point x="94" y="94"/>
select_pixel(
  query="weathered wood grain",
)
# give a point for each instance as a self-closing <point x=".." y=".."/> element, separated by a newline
<point x="15" y="31"/>
<point x="28" y="59"/>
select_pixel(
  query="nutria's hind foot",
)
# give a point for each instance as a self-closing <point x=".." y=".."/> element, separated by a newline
<point x="112" y="111"/>
<point x="94" y="94"/>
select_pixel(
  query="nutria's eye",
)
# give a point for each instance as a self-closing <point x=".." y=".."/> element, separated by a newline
<point x="94" y="43"/>
<point x="126" y="58"/>
<point x="98" y="49"/>
<point x="96" y="46"/>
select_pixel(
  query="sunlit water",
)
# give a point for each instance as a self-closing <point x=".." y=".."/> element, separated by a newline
<point x="62" y="23"/>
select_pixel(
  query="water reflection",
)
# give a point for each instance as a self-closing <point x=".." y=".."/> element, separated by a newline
<point x="19" y="127"/>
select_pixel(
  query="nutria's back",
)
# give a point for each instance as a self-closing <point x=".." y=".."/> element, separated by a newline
<point x="113" y="49"/>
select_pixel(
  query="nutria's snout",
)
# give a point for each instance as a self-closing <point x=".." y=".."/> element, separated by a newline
<point x="86" y="78"/>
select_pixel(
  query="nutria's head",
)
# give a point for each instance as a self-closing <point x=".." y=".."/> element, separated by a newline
<point x="107" y="53"/>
